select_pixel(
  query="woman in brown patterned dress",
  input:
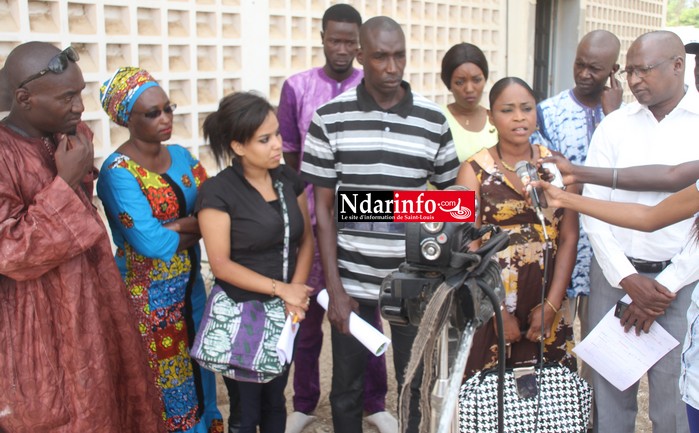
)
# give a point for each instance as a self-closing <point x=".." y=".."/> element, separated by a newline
<point x="492" y="175"/>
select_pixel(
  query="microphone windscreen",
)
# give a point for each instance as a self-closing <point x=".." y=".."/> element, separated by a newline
<point x="522" y="169"/>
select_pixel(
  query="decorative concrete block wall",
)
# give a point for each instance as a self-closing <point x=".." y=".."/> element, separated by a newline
<point x="627" y="19"/>
<point x="200" y="50"/>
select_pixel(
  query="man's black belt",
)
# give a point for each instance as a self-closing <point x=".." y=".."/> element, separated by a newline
<point x="648" y="267"/>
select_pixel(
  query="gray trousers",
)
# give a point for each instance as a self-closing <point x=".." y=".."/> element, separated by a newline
<point x="578" y="307"/>
<point x="615" y="411"/>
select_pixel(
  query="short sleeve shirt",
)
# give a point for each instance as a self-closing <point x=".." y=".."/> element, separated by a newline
<point x="354" y="144"/>
<point x="257" y="226"/>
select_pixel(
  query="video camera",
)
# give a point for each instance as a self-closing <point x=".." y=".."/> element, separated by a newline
<point x="437" y="252"/>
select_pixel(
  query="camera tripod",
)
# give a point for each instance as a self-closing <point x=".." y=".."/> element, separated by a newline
<point x="445" y="394"/>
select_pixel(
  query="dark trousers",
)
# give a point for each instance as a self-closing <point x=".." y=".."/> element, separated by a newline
<point x="693" y="418"/>
<point x="261" y="404"/>
<point x="349" y="365"/>
<point x="309" y="342"/>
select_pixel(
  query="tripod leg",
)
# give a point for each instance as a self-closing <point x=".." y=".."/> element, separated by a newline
<point x="446" y="411"/>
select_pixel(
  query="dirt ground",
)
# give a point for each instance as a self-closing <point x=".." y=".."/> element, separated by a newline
<point x="323" y="422"/>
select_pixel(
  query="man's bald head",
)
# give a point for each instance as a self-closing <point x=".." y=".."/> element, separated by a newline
<point x="49" y="103"/>
<point x="595" y="63"/>
<point x="603" y="41"/>
<point x="27" y="59"/>
<point x="382" y="54"/>
<point x="5" y="93"/>
<point x="376" y="24"/>
<point x="661" y="42"/>
<point x="656" y="62"/>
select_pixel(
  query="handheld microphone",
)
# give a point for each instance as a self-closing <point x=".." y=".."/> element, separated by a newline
<point x="557" y="180"/>
<point x="527" y="172"/>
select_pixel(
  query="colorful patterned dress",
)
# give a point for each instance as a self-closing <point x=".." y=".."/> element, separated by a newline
<point x="166" y="288"/>
<point x="522" y="269"/>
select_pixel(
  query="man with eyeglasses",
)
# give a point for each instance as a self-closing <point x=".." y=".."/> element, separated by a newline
<point x="71" y="356"/>
<point x="654" y="269"/>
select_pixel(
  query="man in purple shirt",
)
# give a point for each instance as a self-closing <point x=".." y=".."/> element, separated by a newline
<point x="302" y="94"/>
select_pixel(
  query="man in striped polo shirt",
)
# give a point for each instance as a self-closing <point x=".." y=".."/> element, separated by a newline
<point x="302" y="94"/>
<point x="379" y="136"/>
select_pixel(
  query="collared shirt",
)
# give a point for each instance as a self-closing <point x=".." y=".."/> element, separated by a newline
<point x="301" y="96"/>
<point x="567" y="125"/>
<point x="355" y="144"/>
<point x="631" y="136"/>
<point x="257" y="226"/>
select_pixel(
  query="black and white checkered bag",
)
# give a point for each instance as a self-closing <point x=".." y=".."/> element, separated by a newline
<point x="566" y="401"/>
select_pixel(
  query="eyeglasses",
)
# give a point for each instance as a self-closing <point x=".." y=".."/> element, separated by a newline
<point x="154" y="114"/>
<point x="641" y="72"/>
<point x="57" y="65"/>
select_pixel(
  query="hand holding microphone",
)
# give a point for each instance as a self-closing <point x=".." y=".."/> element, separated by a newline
<point x="527" y="173"/>
<point x="557" y="170"/>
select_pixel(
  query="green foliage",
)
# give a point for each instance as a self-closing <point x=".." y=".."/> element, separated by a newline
<point x="690" y="17"/>
<point x="683" y="13"/>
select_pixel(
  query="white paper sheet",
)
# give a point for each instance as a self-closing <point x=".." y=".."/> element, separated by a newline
<point x="623" y="357"/>
<point x="285" y="345"/>
<point x="370" y="337"/>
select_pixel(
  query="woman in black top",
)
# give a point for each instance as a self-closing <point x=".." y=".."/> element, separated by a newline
<point x="254" y="221"/>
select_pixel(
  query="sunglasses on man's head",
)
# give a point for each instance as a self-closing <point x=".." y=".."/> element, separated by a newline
<point x="154" y="114"/>
<point x="57" y="65"/>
